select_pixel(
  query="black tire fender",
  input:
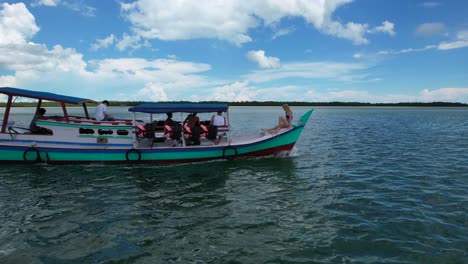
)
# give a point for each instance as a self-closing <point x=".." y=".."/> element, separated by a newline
<point x="35" y="150"/>
<point x="229" y="157"/>
<point x="130" y="151"/>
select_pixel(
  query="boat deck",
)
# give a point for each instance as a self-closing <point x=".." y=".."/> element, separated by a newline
<point x="161" y="142"/>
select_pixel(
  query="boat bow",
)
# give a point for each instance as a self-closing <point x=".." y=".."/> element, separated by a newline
<point x="305" y="117"/>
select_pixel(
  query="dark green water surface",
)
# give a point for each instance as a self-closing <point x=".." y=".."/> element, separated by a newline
<point x="364" y="185"/>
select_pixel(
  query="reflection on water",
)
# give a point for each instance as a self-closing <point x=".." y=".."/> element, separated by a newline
<point x="88" y="213"/>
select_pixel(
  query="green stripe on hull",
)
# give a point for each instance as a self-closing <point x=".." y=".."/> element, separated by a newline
<point x="94" y="157"/>
<point x="276" y="142"/>
<point x="13" y="155"/>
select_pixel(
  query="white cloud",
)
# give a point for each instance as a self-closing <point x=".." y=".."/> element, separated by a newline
<point x="17" y="24"/>
<point x="153" y="92"/>
<point x="149" y="70"/>
<point x="463" y="35"/>
<point x="348" y="96"/>
<point x="81" y="8"/>
<point x="453" y="45"/>
<point x="7" y="81"/>
<point x="281" y="93"/>
<point x="352" y="31"/>
<point x="308" y="70"/>
<point x="31" y="62"/>
<point x="126" y="42"/>
<point x="76" y="6"/>
<point x="36" y="66"/>
<point x="178" y="78"/>
<point x="133" y="42"/>
<point x="428" y="29"/>
<point x="424" y="96"/>
<point x="263" y="61"/>
<point x="386" y="27"/>
<point x="356" y="32"/>
<point x="431" y="4"/>
<point x="402" y="51"/>
<point x="35" y="58"/>
<point x="176" y="20"/>
<point x="237" y="92"/>
<point x="444" y="95"/>
<point x="357" y="55"/>
<point x="244" y="91"/>
<point x="45" y="2"/>
<point x="461" y="42"/>
<point x="103" y="43"/>
<point x="231" y="20"/>
<point x="282" y="32"/>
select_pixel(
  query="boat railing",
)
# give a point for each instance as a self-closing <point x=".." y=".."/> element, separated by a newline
<point x="83" y="120"/>
<point x="158" y="132"/>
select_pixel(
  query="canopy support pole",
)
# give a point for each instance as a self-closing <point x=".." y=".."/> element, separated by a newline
<point x="65" y="113"/>
<point x="134" y="132"/>
<point x="86" y="111"/>
<point x="182" y="134"/>
<point x="7" y="113"/>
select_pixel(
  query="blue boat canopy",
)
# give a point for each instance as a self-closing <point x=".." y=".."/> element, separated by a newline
<point x="155" y="108"/>
<point x="44" y="96"/>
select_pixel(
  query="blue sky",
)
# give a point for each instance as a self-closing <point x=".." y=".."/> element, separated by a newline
<point x="237" y="50"/>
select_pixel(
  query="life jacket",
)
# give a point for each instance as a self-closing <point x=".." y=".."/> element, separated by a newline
<point x="173" y="132"/>
<point x="141" y="131"/>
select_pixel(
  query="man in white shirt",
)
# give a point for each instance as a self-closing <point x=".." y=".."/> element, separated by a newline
<point x="216" y="121"/>
<point x="101" y="112"/>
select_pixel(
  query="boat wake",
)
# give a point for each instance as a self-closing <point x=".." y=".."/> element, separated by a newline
<point x="294" y="152"/>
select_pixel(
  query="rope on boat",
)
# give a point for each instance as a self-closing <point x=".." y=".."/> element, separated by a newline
<point x="11" y="130"/>
<point x="47" y="156"/>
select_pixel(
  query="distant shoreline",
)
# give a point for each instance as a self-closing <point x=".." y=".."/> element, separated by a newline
<point x="267" y="103"/>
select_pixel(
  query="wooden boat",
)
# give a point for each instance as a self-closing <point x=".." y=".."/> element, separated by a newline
<point x="82" y="139"/>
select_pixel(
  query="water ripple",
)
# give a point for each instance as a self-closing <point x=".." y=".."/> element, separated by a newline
<point x="364" y="185"/>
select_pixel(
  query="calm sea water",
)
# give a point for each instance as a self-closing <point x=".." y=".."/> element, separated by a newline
<point x="364" y="185"/>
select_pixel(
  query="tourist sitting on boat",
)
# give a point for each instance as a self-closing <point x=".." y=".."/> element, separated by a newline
<point x="284" y="121"/>
<point x="217" y="121"/>
<point x="192" y="129"/>
<point x="35" y="129"/>
<point x="101" y="112"/>
<point x="169" y="121"/>
<point x="172" y="129"/>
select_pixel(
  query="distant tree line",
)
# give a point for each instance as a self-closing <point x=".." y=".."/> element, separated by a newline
<point x="260" y="103"/>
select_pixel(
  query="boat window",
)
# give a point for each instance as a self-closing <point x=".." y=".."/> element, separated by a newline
<point x="122" y="132"/>
<point x="86" y="131"/>
<point x="105" y="132"/>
